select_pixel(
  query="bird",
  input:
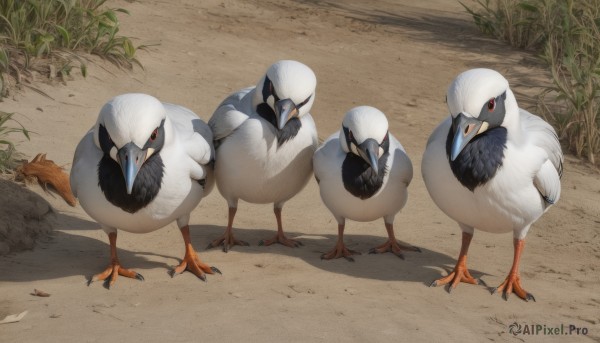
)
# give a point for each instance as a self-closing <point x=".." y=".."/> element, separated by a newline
<point x="143" y="165"/>
<point x="264" y="139"/>
<point x="491" y="166"/>
<point x="363" y="174"/>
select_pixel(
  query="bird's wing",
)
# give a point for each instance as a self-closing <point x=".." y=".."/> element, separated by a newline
<point x="228" y="116"/>
<point x="401" y="160"/>
<point x="542" y="135"/>
<point x="324" y="157"/>
<point x="195" y="136"/>
<point x="85" y="149"/>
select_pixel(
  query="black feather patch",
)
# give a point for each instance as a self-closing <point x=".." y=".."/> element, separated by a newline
<point x="289" y="131"/>
<point x="145" y="188"/>
<point x="358" y="177"/>
<point x="481" y="158"/>
<point x="267" y="113"/>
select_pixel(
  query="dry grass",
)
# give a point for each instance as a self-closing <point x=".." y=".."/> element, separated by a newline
<point x="566" y="35"/>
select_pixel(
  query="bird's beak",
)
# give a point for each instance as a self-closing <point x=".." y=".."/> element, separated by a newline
<point x="131" y="158"/>
<point x="285" y="110"/>
<point x="465" y="129"/>
<point x="369" y="151"/>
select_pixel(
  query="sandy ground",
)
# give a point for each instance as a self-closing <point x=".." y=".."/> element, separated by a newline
<point x="396" y="55"/>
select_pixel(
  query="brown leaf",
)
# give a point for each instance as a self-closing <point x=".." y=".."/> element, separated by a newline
<point x="39" y="293"/>
<point x="47" y="172"/>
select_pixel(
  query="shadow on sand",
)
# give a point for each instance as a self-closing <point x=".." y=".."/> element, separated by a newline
<point x="68" y="253"/>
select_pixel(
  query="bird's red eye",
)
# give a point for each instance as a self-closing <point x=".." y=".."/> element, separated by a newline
<point x="153" y="135"/>
<point x="491" y="105"/>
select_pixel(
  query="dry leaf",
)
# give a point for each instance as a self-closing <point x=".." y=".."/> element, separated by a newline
<point x="47" y="172"/>
<point x="13" y="318"/>
<point x="39" y="293"/>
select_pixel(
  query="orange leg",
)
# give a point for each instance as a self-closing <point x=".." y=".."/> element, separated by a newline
<point x="340" y="249"/>
<point x="392" y="244"/>
<point x="110" y="274"/>
<point x="460" y="273"/>
<point x="191" y="262"/>
<point x="280" y="236"/>
<point x="227" y="240"/>
<point x="513" y="280"/>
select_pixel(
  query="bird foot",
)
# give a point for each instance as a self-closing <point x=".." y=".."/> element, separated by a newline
<point x="459" y="274"/>
<point x="510" y="284"/>
<point x="281" y="239"/>
<point x="110" y="274"/>
<point x="226" y="241"/>
<point x="191" y="262"/>
<point x="340" y="250"/>
<point x="394" y="247"/>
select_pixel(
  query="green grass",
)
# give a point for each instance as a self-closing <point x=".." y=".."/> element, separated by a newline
<point x="566" y="36"/>
<point x="8" y="153"/>
<point x="52" y="36"/>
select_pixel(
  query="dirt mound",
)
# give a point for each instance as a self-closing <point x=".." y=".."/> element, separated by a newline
<point x="24" y="218"/>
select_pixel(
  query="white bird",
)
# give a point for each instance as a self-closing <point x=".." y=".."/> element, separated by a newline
<point x="265" y="138"/>
<point x="363" y="174"/>
<point x="491" y="166"/>
<point x="143" y="165"/>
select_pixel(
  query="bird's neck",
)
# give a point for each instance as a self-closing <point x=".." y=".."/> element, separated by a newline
<point x="288" y="132"/>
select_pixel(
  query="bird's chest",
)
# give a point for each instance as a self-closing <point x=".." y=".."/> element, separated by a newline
<point x="508" y="201"/>
<point x="255" y="149"/>
<point x="158" y="191"/>
<point x="358" y="176"/>
<point x="480" y="160"/>
<point x="146" y="186"/>
<point x="252" y="165"/>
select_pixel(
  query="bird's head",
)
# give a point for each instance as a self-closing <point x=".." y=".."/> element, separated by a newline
<point x="130" y="129"/>
<point x="288" y="89"/>
<point x="365" y="134"/>
<point x="479" y="100"/>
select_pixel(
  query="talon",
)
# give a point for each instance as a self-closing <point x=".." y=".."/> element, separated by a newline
<point x="89" y="281"/>
<point x="216" y="270"/>
<point x="449" y="289"/>
<point x="191" y="262"/>
<point x="493" y="290"/>
<point x="139" y="277"/>
<point x="417" y="249"/>
<point x="261" y="243"/>
<point x="481" y="282"/>
<point x="226" y="241"/>
<point x="400" y="256"/>
<point x="433" y="284"/>
<point x="530" y="297"/>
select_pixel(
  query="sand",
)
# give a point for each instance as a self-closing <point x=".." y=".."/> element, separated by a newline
<point x="398" y="56"/>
